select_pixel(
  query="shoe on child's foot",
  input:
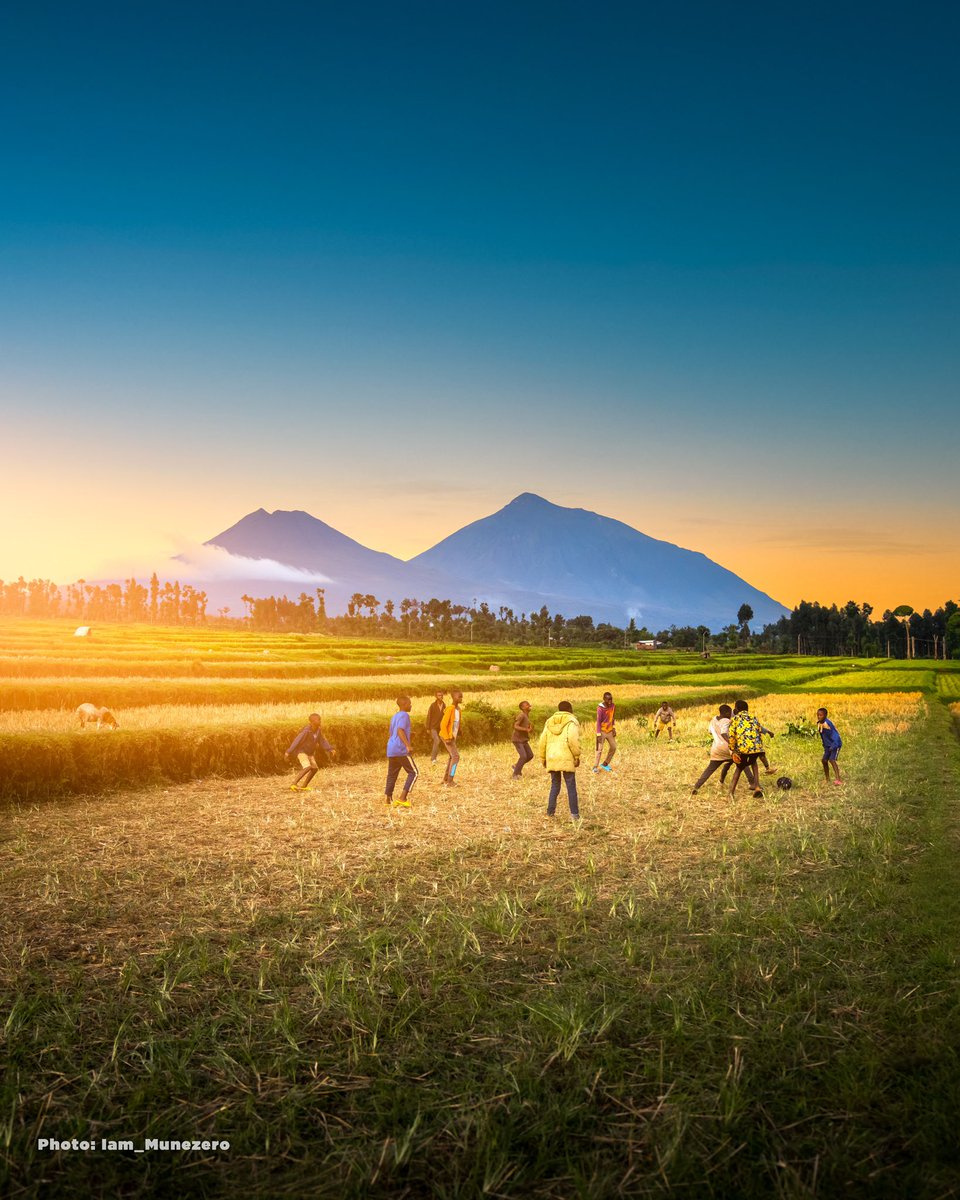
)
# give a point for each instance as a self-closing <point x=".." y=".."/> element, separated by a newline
<point x="596" y="770"/>
<point x="758" y="793"/>
<point x="837" y="782"/>
<point x="401" y="803"/>
<point x="295" y="787"/>
<point x="604" y="767"/>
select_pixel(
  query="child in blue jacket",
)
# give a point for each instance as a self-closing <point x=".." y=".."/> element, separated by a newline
<point x="831" y="745"/>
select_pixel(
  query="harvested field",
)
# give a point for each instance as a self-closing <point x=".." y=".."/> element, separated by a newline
<point x="413" y="1003"/>
<point x="467" y="998"/>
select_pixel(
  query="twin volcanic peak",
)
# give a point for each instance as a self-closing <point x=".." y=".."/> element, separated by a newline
<point x="527" y="554"/>
<point x="299" y="540"/>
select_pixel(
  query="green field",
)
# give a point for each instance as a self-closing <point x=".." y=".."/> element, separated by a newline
<point x="700" y="996"/>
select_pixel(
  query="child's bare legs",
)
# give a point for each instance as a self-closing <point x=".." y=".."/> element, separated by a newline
<point x="827" y="763"/>
<point x="749" y="770"/>
<point x="310" y="768"/>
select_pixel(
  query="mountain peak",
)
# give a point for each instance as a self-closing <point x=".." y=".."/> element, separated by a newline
<point x="578" y="561"/>
<point x="527" y="500"/>
<point x="299" y="539"/>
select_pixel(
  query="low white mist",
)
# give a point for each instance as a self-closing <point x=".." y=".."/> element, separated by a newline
<point x="210" y="564"/>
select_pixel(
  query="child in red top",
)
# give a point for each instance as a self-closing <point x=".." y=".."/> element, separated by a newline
<point x="606" y="733"/>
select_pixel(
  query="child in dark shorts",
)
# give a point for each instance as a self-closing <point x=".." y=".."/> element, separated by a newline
<point x="832" y="742"/>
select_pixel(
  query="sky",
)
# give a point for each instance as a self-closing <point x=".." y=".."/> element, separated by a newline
<point x="695" y="267"/>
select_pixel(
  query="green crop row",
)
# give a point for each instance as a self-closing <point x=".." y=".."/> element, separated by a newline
<point x="119" y="693"/>
<point x="25" y="635"/>
<point x="874" y="680"/>
<point x="205" y="665"/>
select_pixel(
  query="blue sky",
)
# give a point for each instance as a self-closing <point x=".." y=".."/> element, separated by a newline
<point x="601" y="252"/>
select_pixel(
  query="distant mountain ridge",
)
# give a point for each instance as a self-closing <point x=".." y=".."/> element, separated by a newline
<point x="529" y="553"/>
<point x="596" y="565"/>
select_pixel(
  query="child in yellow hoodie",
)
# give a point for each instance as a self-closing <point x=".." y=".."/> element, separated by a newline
<point x="559" y="752"/>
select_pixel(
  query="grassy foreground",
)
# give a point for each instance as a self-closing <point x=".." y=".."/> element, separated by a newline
<point x="755" y="998"/>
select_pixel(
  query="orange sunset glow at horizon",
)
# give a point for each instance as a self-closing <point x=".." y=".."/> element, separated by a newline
<point x="883" y="564"/>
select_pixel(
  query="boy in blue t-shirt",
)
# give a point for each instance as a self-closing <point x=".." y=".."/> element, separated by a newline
<point x="400" y="754"/>
<point x="831" y="745"/>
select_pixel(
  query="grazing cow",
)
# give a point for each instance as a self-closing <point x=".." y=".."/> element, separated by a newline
<point x="103" y="718"/>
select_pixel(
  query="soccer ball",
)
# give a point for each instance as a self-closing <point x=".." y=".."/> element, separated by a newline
<point x="784" y="783"/>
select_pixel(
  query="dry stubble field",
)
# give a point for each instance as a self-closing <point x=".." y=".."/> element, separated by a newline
<point x="736" y="998"/>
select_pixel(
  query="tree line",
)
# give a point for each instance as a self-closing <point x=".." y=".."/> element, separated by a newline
<point x="851" y="630"/>
<point x="164" y="603"/>
<point x="811" y="628"/>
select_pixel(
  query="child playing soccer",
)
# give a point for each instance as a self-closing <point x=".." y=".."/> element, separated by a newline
<point x="664" y="718"/>
<point x="746" y="746"/>
<point x="831" y="745"/>
<point x="304" y="746"/>
<point x="449" y="732"/>
<point x="521" y="738"/>
<point x="400" y="754"/>
<point x="606" y="733"/>
<point x="559" y="751"/>
<point x="720" y="757"/>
